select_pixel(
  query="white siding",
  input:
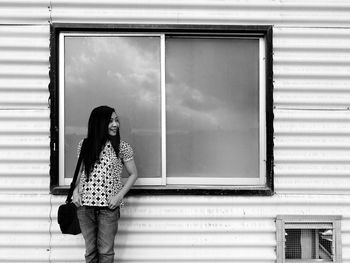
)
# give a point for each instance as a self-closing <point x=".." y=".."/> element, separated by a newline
<point x="24" y="112"/>
<point x="291" y="12"/>
<point x="311" y="68"/>
<point x="24" y="143"/>
<point x="205" y="229"/>
<point x="24" y="227"/>
<point x="312" y="117"/>
<point x="24" y="11"/>
<point x="312" y="143"/>
<point x="24" y="67"/>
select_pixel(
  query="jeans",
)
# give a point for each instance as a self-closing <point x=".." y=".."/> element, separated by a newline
<point x="99" y="226"/>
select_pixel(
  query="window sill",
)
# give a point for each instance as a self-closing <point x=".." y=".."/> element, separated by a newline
<point x="183" y="190"/>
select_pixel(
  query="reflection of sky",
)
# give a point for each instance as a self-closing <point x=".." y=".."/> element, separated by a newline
<point x="123" y="72"/>
<point x="212" y="83"/>
<point x="212" y="92"/>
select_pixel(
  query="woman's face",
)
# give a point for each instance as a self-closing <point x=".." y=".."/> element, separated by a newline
<point x="113" y="125"/>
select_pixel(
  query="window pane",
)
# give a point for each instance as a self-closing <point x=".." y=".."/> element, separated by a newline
<point x="122" y="72"/>
<point x="212" y="95"/>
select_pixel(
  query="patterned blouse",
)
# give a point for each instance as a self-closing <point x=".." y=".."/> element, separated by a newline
<point x="105" y="178"/>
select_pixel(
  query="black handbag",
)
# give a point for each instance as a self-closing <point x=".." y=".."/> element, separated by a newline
<point x="67" y="213"/>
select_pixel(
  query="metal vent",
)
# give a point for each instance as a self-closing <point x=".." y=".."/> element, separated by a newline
<point x="309" y="244"/>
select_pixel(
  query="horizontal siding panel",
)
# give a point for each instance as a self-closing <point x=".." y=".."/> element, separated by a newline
<point x="160" y="254"/>
<point x="22" y="122"/>
<point x="295" y="13"/>
<point x="24" y="11"/>
<point x="339" y="5"/>
<point x="25" y="84"/>
<point x="312" y="151"/>
<point x="24" y="67"/>
<point x="24" y="210"/>
<point x="19" y="71"/>
<point x="311" y="156"/>
<point x="187" y="226"/>
<point x="24" y="169"/>
<point x="24" y="141"/>
<point x="312" y="171"/>
<point x="198" y="228"/>
<point x="22" y="155"/>
<point x="24" y="127"/>
<point x="24" y="151"/>
<point x="198" y="254"/>
<point x="23" y="225"/>
<point x="331" y="185"/>
<point x="311" y="68"/>
<point x="312" y="99"/>
<point x="22" y="99"/>
<point x="37" y="42"/>
<point x="312" y="142"/>
<point x="130" y="239"/>
<point x="24" y="228"/>
<point x="11" y="240"/>
<point x="24" y="184"/>
<point x="37" y="56"/>
<point x="23" y="254"/>
<point x="21" y="37"/>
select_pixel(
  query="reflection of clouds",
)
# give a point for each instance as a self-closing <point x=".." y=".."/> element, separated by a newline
<point x="132" y="83"/>
<point x="196" y="100"/>
<point x="112" y="58"/>
<point x="74" y="70"/>
<point x="188" y="96"/>
<point x="215" y="95"/>
<point x="187" y="106"/>
<point x="117" y="71"/>
<point x="180" y="95"/>
<point x="124" y="72"/>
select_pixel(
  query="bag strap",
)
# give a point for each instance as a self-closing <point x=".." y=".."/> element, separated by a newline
<point x="77" y="168"/>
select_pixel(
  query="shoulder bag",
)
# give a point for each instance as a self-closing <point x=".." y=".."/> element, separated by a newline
<point x="67" y="213"/>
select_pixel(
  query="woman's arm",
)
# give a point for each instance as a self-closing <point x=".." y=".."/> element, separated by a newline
<point x="77" y="191"/>
<point x="76" y="199"/>
<point x="132" y="171"/>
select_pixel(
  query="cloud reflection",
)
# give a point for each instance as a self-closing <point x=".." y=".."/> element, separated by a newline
<point x="119" y="71"/>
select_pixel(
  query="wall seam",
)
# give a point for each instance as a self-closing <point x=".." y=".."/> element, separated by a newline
<point x="50" y="12"/>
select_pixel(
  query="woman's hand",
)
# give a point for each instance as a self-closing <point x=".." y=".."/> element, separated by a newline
<point x="115" y="201"/>
<point x="76" y="197"/>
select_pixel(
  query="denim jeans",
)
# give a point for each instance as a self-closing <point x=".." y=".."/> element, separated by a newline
<point x="99" y="226"/>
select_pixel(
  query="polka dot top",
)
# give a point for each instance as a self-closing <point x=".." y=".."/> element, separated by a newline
<point x="105" y="178"/>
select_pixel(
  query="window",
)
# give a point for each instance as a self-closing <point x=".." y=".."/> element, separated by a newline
<point x="308" y="239"/>
<point x="195" y="102"/>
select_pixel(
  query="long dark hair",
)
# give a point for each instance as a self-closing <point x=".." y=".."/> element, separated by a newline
<point x="97" y="137"/>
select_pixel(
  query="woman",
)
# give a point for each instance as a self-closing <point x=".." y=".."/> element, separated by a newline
<point x="99" y="192"/>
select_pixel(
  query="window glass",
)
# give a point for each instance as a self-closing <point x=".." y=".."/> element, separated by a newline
<point x="118" y="71"/>
<point x="212" y="107"/>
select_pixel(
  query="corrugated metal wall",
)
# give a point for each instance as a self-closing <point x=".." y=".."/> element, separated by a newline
<point x="312" y="117"/>
<point x="205" y="229"/>
<point x="24" y="142"/>
<point x="312" y="142"/>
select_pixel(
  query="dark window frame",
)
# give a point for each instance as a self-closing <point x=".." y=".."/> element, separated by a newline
<point x="170" y="29"/>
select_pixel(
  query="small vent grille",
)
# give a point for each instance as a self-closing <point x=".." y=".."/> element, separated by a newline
<point x="304" y="243"/>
